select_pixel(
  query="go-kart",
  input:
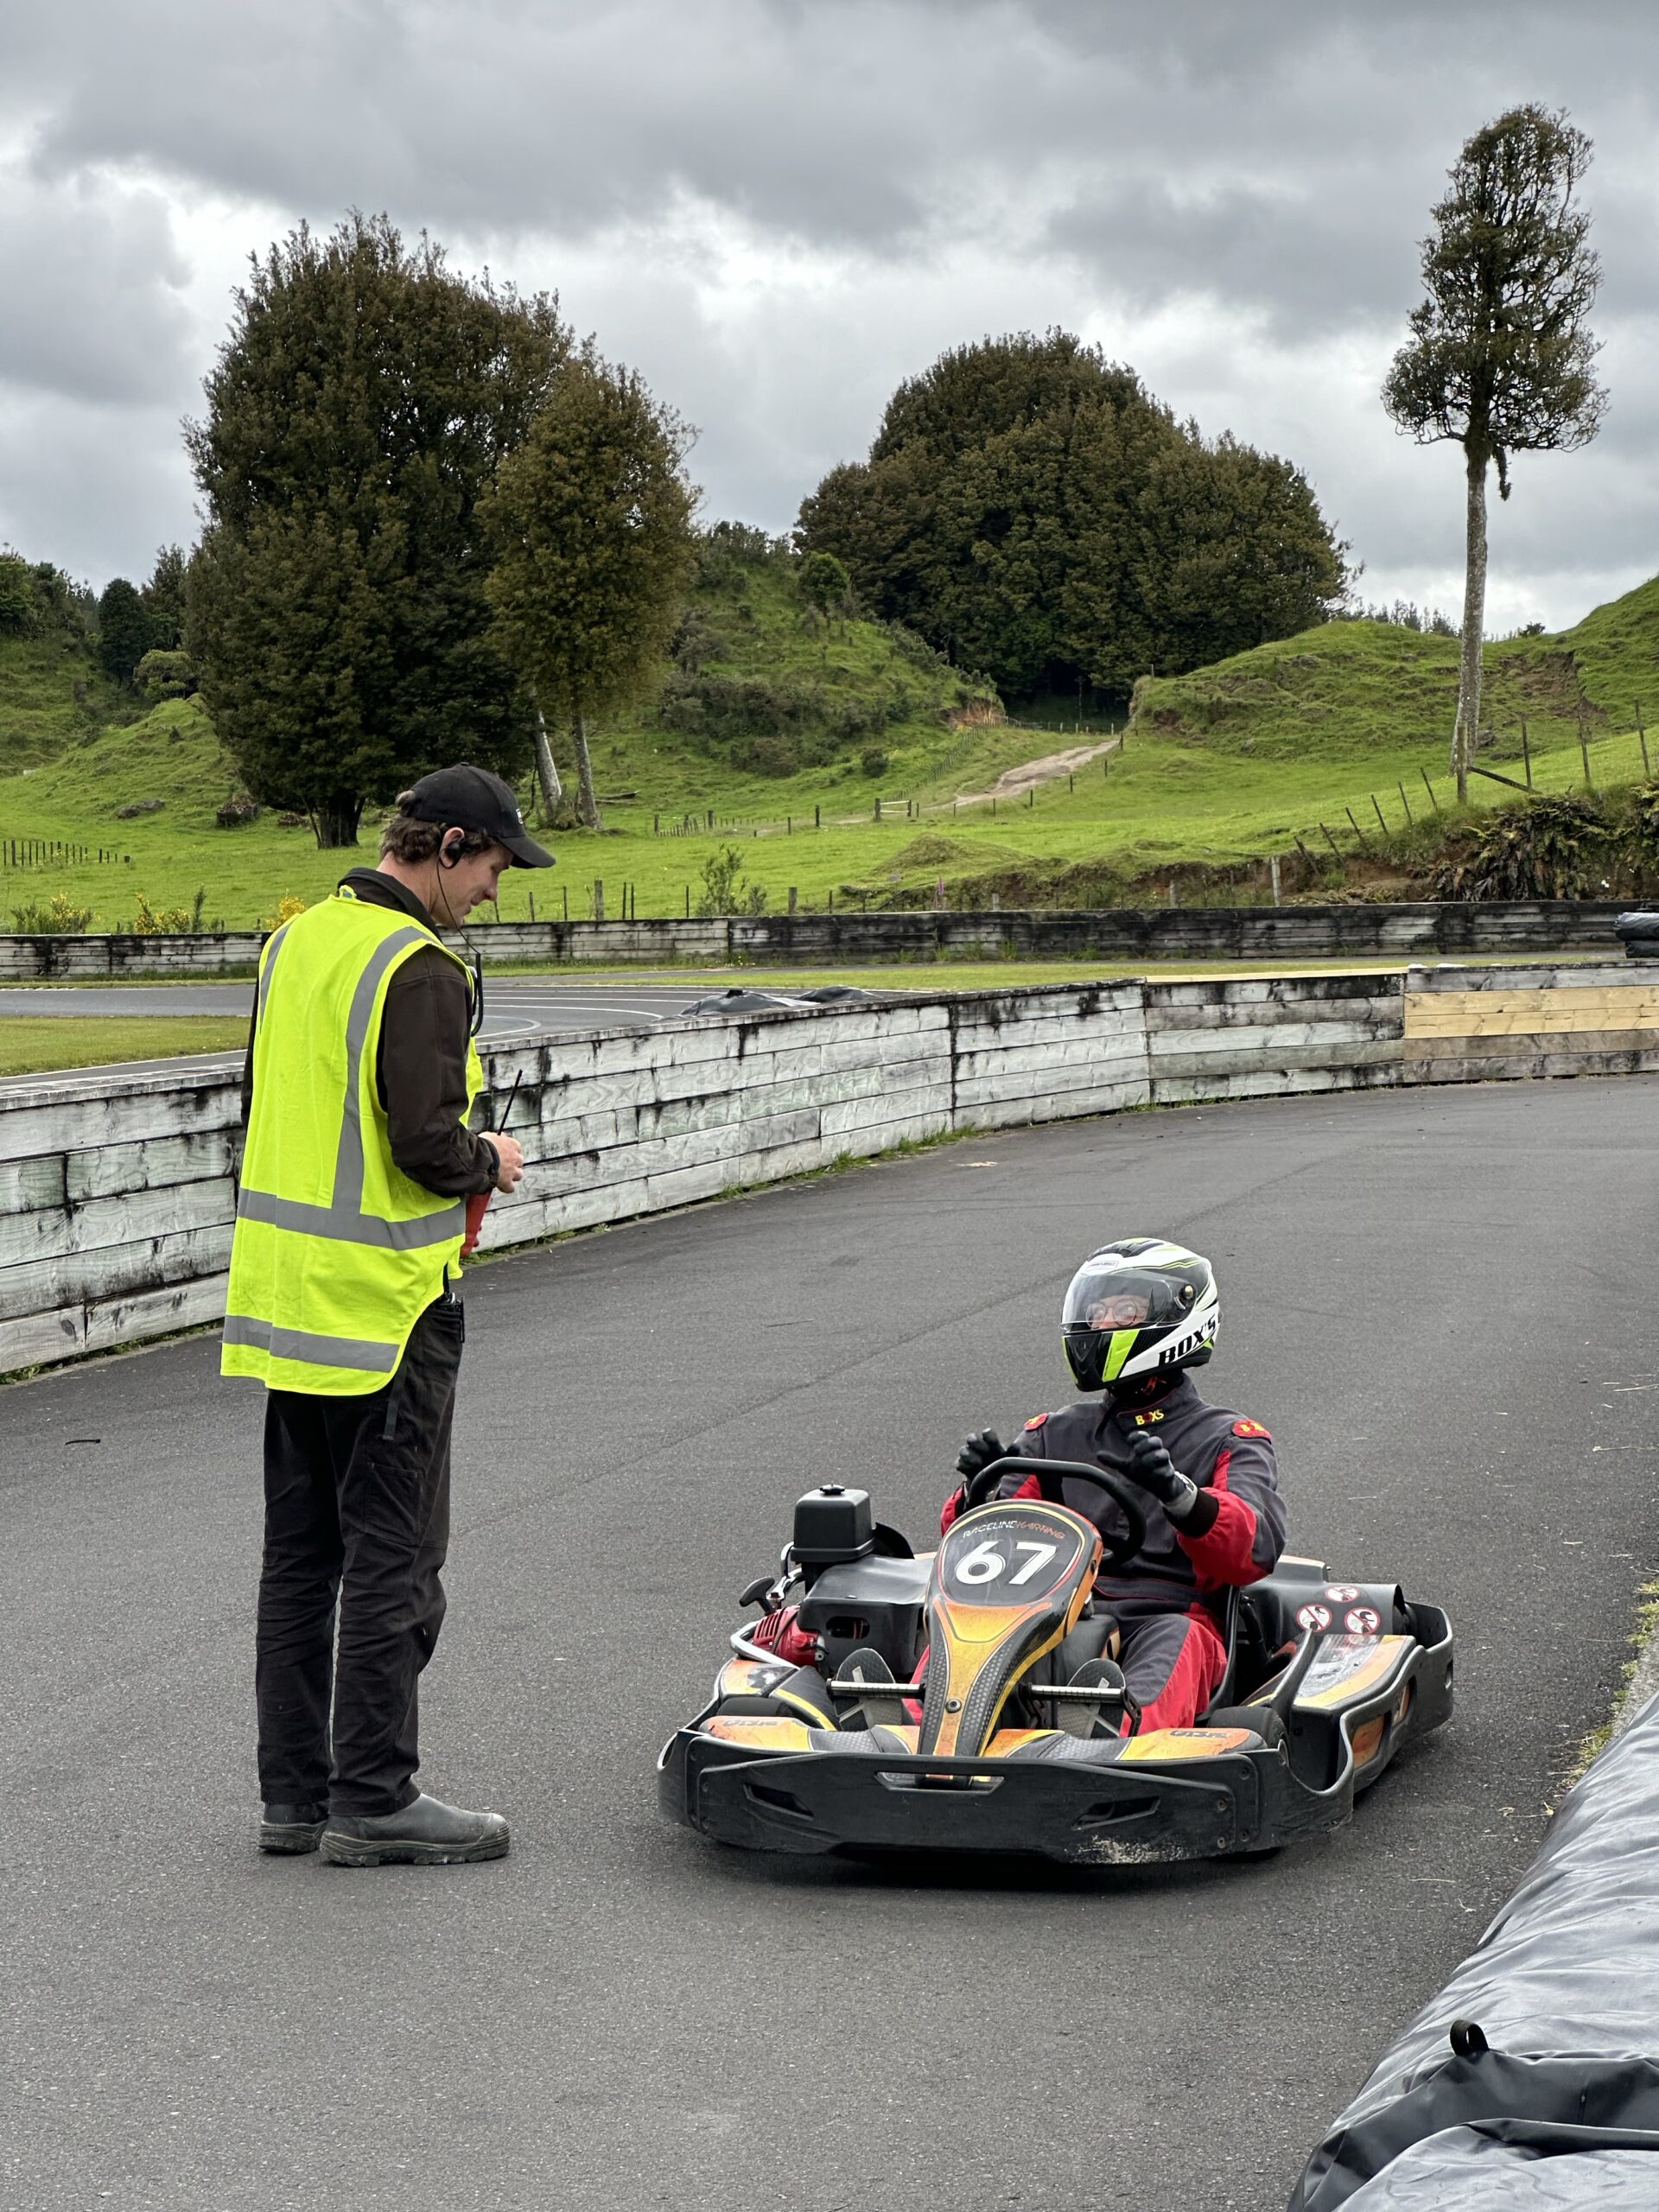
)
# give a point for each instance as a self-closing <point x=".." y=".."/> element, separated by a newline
<point x="1018" y="1733"/>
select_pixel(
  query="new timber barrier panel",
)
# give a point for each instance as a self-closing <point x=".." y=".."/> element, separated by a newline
<point x="117" y="1192"/>
<point x="1096" y="933"/>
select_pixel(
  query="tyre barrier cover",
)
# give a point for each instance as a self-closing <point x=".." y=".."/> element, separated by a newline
<point x="1546" y="2091"/>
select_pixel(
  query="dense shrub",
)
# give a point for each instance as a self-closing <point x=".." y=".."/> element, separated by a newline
<point x="1543" y="848"/>
<point x="56" y="917"/>
<point x="726" y="890"/>
<point x="169" y="921"/>
<point x="726" y="548"/>
<point x="165" y="675"/>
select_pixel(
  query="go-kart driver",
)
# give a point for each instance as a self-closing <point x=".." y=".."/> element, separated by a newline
<point x="1139" y="1312"/>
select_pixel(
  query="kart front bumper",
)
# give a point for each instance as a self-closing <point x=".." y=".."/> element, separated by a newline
<point x="1147" y="1814"/>
<point x="1106" y="1815"/>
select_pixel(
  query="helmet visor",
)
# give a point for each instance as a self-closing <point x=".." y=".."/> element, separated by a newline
<point x="1119" y="1295"/>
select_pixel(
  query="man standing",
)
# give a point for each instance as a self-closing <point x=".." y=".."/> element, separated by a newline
<point x="351" y="1217"/>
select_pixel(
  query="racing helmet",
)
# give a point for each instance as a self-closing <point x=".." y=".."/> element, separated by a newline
<point x="1138" y="1306"/>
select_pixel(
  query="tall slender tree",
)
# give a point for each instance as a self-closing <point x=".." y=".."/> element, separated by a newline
<point x="1500" y="359"/>
<point x="590" y="520"/>
<point x="122" y="630"/>
<point x="335" y="606"/>
<point x="164" y="599"/>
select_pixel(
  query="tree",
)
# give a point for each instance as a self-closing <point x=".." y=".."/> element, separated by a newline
<point x="20" y="607"/>
<point x="122" y="630"/>
<point x="590" y="521"/>
<point x="1499" y="359"/>
<point x="1027" y="506"/>
<point x="164" y="599"/>
<point x="336" y="607"/>
<point x="824" y="583"/>
<point x="1231" y="551"/>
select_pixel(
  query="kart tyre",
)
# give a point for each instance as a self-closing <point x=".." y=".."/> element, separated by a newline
<point x="1261" y="1719"/>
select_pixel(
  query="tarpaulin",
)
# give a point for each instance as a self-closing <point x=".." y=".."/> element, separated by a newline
<point x="1553" y="2097"/>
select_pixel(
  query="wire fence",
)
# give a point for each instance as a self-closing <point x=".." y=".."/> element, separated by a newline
<point x="18" y="853"/>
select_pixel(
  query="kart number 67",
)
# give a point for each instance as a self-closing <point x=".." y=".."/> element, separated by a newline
<point x="1018" y="1564"/>
<point x="985" y="1562"/>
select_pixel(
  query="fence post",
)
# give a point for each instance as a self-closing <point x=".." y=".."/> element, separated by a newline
<point x="794" y="898"/>
<point x="1406" y="802"/>
<point x="599" y="900"/>
<point x="1642" y="735"/>
<point x="1429" y="788"/>
<point x="1359" y="832"/>
<point x="1526" y="752"/>
<point x="1379" y="814"/>
<point x="1584" y="752"/>
<point x="818" y="817"/>
<point x="1273" y="871"/>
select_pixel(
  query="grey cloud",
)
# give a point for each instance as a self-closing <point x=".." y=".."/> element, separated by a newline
<point x="90" y="277"/>
<point x="776" y="208"/>
<point x="93" y="489"/>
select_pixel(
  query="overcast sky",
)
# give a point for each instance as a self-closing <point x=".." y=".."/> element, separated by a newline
<point x="776" y="209"/>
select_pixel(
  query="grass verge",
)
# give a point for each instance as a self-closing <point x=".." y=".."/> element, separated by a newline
<point x="43" y="1044"/>
<point x="1643" y="1629"/>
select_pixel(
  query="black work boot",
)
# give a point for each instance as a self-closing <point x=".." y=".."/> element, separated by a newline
<point x="425" y="1834"/>
<point x="292" y="1828"/>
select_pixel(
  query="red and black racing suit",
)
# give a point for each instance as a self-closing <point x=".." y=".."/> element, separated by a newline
<point x="1167" y="1599"/>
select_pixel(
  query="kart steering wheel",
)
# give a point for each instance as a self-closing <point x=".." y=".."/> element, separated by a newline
<point x="1118" y="1549"/>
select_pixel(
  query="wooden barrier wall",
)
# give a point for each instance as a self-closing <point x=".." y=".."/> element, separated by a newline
<point x="117" y="1194"/>
<point x="1104" y="933"/>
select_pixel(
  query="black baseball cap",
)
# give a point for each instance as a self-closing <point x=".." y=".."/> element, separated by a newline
<point x="471" y="799"/>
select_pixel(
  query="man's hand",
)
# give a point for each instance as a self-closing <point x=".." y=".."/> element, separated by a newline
<point x="1151" y="1469"/>
<point x="510" y="1160"/>
<point x="982" y="1449"/>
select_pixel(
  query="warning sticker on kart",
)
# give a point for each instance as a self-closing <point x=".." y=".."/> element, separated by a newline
<point x="1036" y="1421"/>
<point x="1342" y="1593"/>
<point x="1362" y="1620"/>
<point x="1316" y="1617"/>
<point x="1248" y="1429"/>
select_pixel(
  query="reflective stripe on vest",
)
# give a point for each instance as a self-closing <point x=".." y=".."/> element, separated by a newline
<point x="305" y="1346"/>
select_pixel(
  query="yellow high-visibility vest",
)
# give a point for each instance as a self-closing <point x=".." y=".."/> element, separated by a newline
<point x="337" y="1252"/>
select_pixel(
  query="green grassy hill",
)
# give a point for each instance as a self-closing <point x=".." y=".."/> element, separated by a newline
<point x="764" y="720"/>
<point x="51" y="693"/>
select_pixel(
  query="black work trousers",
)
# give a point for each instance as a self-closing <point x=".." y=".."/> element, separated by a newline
<point x="357" y="1525"/>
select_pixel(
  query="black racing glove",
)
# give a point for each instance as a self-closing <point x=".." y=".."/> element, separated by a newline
<point x="982" y="1449"/>
<point x="1151" y="1469"/>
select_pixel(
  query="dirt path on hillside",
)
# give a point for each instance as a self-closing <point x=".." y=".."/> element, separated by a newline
<point x="1013" y="783"/>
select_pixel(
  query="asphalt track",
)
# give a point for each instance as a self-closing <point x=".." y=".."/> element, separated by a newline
<point x="1439" y="1300"/>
